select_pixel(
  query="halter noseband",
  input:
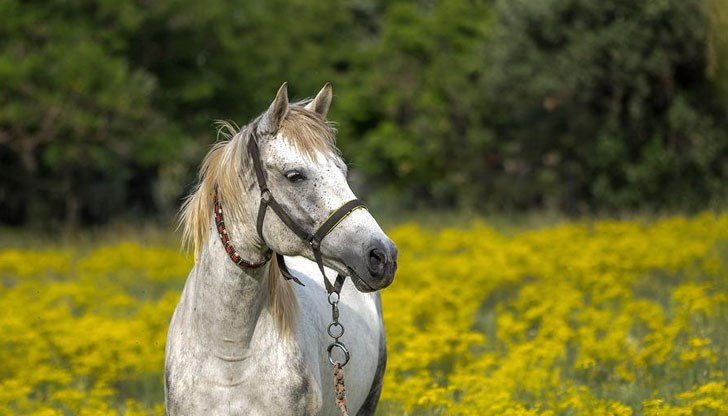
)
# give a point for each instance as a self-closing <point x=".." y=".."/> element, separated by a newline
<point x="267" y="200"/>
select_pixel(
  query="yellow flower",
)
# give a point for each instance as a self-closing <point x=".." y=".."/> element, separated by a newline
<point x="585" y="318"/>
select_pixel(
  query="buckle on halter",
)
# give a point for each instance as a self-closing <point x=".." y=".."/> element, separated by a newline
<point x="315" y="244"/>
<point x="265" y="195"/>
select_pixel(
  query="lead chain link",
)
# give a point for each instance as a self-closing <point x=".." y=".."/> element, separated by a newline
<point x="336" y="331"/>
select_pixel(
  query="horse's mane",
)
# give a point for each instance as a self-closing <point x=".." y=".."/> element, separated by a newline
<point x="228" y="168"/>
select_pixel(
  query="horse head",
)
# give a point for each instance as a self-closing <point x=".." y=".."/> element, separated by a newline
<point x="302" y="170"/>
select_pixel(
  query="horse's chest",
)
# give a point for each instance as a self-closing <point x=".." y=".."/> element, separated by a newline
<point x="259" y="385"/>
<point x="275" y="388"/>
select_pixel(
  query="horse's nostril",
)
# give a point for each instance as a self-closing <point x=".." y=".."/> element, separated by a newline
<point x="377" y="261"/>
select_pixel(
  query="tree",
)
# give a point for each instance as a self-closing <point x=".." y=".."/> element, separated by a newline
<point x="106" y="108"/>
<point x="716" y="12"/>
<point x="413" y="119"/>
<point x="606" y="104"/>
<point x="75" y="117"/>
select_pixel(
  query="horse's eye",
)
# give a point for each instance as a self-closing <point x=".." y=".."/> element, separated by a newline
<point x="294" y="176"/>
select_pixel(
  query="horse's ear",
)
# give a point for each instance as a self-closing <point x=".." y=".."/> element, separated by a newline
<point x="322" y="102"/>
<point x="272" y="119"/>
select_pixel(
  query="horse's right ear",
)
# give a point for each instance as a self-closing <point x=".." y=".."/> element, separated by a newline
<point x="322" y="102"/>
<point x="272" y="119"/>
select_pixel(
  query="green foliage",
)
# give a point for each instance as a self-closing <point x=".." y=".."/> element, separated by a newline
<point x="606" y="104"/>
<point x="76" y="117"/>
<point x="413" y="110"/>
<point x="717" y="46"/>
<point x="107" y="107"/>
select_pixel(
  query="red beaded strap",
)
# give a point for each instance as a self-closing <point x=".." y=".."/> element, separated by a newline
<point x="229" y="249"/>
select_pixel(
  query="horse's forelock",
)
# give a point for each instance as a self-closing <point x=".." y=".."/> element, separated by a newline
<point x="309" y="132"/>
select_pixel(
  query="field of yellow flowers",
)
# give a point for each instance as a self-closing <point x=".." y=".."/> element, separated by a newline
<point x="586" y="318"/>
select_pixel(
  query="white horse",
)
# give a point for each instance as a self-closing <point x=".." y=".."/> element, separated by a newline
<point x="244" y="341"/>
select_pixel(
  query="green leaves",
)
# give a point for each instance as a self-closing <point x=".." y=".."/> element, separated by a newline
<point x="416" y="107"/>
<point x="74" y="111"/>
<point x="613" y="86"/>
<point x="568" y="105"/>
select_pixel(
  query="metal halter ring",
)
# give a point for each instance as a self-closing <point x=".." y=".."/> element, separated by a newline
<point x="333" y="301"/>
<point x="265" y="194"/>
<point x="332" y="330"/>
<point x="343" y="349"/>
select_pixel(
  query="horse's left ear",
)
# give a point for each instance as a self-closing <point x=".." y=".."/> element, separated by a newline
<point x="273" y="118"/>
<point x="322" y="102"/>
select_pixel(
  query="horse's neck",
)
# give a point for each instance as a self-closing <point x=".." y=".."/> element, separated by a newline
<point x="227" y="301"/>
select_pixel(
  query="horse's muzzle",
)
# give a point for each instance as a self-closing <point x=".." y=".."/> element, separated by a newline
<point x="381" y="264"/>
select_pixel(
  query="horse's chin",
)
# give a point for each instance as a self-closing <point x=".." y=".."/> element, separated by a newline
<point x="369" y="285"/>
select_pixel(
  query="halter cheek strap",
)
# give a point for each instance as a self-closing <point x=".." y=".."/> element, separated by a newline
<point x="315" y="239"/>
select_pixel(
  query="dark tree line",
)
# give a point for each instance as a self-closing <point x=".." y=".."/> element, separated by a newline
<point x="106" y="108"/>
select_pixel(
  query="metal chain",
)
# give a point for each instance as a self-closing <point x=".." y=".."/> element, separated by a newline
<point x="336" y="331"/>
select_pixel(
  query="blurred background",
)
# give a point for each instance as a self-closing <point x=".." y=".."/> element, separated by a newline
<point x="575" y="107"/>
<point x="553" y="172"/>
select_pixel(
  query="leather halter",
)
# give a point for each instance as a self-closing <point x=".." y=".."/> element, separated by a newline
<point x="267" y="200"/>
<point x="314" y="240"/>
